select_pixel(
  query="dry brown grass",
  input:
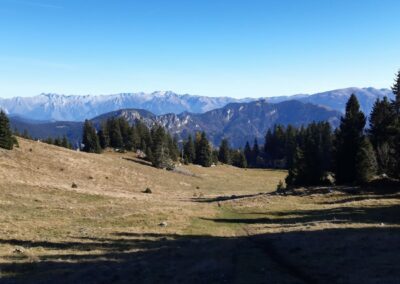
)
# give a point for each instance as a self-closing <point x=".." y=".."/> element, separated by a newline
<point x="219" y="227"/>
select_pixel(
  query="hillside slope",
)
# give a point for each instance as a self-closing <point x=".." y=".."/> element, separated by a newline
<point x="216" y="225"/>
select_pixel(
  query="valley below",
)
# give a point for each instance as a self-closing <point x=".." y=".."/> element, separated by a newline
<point x="69" y="216"/>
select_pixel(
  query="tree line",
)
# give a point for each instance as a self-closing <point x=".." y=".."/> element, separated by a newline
<point x="353" y="153"/>
<point x="155" y="144"/>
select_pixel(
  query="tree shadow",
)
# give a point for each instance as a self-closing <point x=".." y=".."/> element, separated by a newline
<point x="362" y="197"/>
<point x="138" y="161"/>
<point x="345" y="255"/>
<point x="336" y="255"/>
<point x="224" y="198"/>
<point x="351" y="215"/>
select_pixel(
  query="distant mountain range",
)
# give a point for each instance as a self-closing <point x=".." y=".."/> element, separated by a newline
<point x="239" y="122"/>
<point x="54" y="107"/>
<point x="337" y="99"/>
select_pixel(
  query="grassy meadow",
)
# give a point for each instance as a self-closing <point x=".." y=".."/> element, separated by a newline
<point x="220" y="224"/>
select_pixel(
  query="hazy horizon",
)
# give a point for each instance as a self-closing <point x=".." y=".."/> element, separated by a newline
<point x="185" y="93"/>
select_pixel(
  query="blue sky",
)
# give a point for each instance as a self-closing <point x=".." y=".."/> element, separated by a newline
<point x="204" y="47"/>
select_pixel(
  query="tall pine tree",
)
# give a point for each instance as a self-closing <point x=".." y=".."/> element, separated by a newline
<point x="366" y="164"/>
<point x="248" y="154"/>
<point x="90" y="139"/>
<point x="6" y="138"/>
<point x="203" y="151"/>
<point x="224" y="155"/>
<point x="189" y="154"/>
<point x="381" y="133"/>
<point x="349" y="139"/>
<point x="395" y="167"/>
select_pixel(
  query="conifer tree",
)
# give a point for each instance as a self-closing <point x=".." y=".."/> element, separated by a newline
<point x="114" y="132"/>
<point x="311" y="161"/>
<point x="6" y="138"/>
<point x="159" y="149"/>
<point x="57" y="142"/>
<point x="173" y="147"/>
<point x="125" y="131"/>
<point x="214" y="156"/>
<point x="189" y="154"/>
<point x="224" y="152"/>
<point x="239" y="159"/>
<point x="203" y="151"/>
<point x="65" y="143"/>
<point x="395" y="166"/>
<point x="348" y="142"/>
<point x="255" y="153"/>
<point x="290" y="145"/>
<point x="297" y="172"/>
<point x="90" y="139"/>
<point x="381" y="133"/>
<point x="248" y="154"/>
<point x="396" y="92"/>
<point x="104" y="138"/>
<point x="366" y="164"/>
<point x="149" y="153"/>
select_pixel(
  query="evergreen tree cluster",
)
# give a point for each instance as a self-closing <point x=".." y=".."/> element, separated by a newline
<point x="159" y="147"/>
<point x="312" y="157"/>
<point x="278" y="150"/>
<point x="384" y="132"/>
<point x="346" y="154"/>
<point x="234" y="157"/>
<point x="353" y="153"/>
<point x="198" y="150"/>
<point x="59" y="141"/>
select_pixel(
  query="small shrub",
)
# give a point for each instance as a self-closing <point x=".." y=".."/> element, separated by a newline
<point x="74" y="185"/>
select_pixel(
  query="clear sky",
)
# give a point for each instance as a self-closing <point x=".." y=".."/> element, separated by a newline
<point x="206" y="47"/>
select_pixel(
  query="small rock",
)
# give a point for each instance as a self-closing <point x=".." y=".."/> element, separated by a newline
<point x="74" y="185"/>
<point x="147" y="190"/>
<point x="18" y="250"/>
<point x="163" y="224"/>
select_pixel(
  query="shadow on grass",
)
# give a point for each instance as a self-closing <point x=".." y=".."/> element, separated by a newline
<point x="224" y="198"/>
<point x="139" y="161"/>
<point x="378" y="215"/>
<point x="362" y="198"/>
<point x="346" y="255"/>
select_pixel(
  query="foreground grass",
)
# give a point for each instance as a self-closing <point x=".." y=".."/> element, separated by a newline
<point x="220" y="225"/>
